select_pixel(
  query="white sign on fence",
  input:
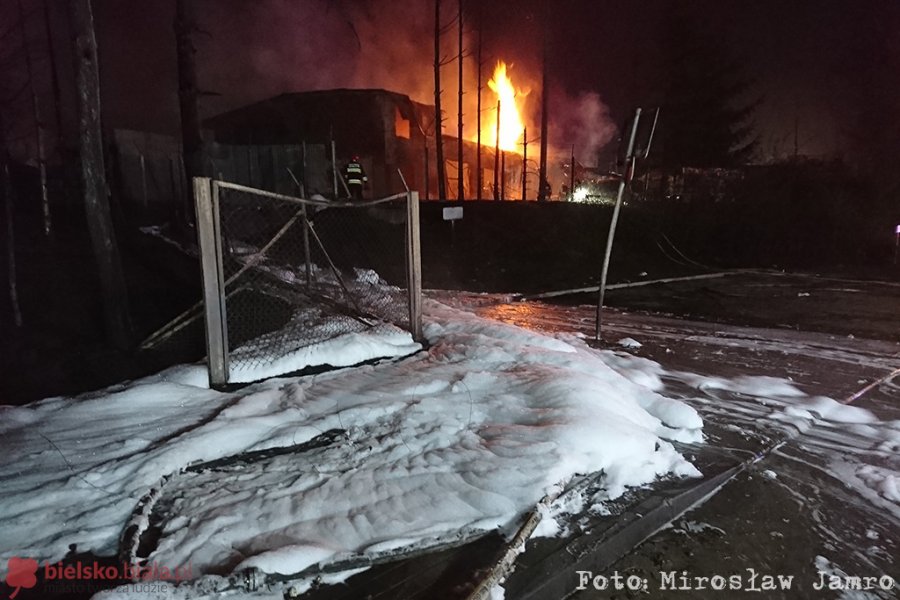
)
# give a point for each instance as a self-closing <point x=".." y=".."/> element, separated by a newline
<point x="453" y="213"/>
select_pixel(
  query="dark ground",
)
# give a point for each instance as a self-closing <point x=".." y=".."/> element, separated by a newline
<point x="61" y="347"/>
<point x="505" y="247"/>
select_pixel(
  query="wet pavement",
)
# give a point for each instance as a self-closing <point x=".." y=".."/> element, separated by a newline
<point x="812" y="502"/>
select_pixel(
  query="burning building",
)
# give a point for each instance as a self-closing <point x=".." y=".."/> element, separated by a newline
<point x="390" y="133"/>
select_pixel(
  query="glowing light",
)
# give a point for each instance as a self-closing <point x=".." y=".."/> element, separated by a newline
<point x="511" y="124"/>
<point x="580" y="195"/>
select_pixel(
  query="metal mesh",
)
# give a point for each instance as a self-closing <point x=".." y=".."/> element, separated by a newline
<point x="289" y="285"/>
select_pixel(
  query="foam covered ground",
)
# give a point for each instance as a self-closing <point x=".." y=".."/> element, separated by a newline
<point x="469" y="434"/>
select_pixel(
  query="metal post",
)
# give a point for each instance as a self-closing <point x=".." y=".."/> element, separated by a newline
<point x="503" y="174"/>
<point x="177" y="184"/>
<point x="301" y="185"/>
<point x="143" y="179"/>
<point x="524" y="163"/>
<point x="896" y="243"/>
<point x="210" y="240"/>
<point x="572" y="175"/>
<point x="306" y="254"/>
<point x="427" y="173"/>
<point x="414" y="265"/>
<point x="334" y="168"/>
<point x="629" y="170"/>
<point x="497" y="157"/>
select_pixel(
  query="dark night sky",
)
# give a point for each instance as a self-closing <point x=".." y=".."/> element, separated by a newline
<point x="810" y="59"/>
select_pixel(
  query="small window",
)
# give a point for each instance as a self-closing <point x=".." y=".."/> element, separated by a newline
<point x="401" y="125"/>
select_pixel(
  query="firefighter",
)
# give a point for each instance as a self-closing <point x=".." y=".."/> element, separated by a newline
<point x="355" y="176"/>
<point x="546" y="190"/>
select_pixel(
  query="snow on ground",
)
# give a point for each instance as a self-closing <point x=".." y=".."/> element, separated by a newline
<point x="467" y="435"/>
<point x="853" y="445"/>
<point x="352" y="348"/>
<point x="462" y="437"/>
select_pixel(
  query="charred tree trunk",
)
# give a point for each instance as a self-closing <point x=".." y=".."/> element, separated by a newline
<point x="438" y="117"/>
<point x="479" y="186"/>
<point x="6" y="192"/>
<point x="38" y="124"/>
<point x="93" y="174"/>
<point x="543" y="185"/>
<point x="459" y="126"/>
<point x="54" y="78"/>
<point x="497" y="157"/>
<point x="524" y="164"/>
<point x="191" y="137"/>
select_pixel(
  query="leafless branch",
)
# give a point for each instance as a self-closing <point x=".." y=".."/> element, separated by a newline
<point x="348" y="22"/>
<point x="448" y="26"/>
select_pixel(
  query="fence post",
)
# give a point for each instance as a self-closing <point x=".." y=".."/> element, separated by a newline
<point x="206" y="199"/>
<point x="143" y="179"/>
<point x="414" y="265"/>
<point x="623" y="183"/>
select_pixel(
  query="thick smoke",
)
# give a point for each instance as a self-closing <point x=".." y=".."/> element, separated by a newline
<point x="267" y="47"/>
<point x="581" y="121"/>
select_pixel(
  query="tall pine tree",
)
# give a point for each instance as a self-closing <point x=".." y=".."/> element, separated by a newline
<point x="707" y="118"/>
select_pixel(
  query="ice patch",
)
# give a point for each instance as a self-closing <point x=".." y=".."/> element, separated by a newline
<point x="757" y="386"/>
<point x="629" y="343"/>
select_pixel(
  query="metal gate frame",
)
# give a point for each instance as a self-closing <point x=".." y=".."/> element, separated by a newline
<point x="209" y="238"/>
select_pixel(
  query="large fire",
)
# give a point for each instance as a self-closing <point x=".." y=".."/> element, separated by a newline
<point x="511" y="125"/>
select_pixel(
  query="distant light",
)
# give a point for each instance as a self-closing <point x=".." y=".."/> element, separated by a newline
<point x="897" y="230"/>
<point x="581" y="194"/>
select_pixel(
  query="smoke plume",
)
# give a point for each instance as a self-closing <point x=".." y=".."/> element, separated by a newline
<point x="581" y="121"/>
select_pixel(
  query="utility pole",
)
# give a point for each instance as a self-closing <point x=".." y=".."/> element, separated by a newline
<point x="96" y="201"/>
<point x="497" y="157"/>
<point x="459" y="137"/>
<point x="438" y="117"/>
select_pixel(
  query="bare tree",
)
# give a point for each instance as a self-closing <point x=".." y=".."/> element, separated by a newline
<point x="96" y="200"/>
<point x="545" y="94"/>
<point x="479" y="185"/>
<point x="459" y="126"/>
<point x="6" y="191"/>
<point x="54" y="76"/>
<point x="438" y="116"/>
<point x="38" y="123"/>
<point x="191" y="137"/>
<point x="12" y="92"/>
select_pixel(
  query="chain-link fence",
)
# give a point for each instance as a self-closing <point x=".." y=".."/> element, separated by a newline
<point x="282" y="274"/>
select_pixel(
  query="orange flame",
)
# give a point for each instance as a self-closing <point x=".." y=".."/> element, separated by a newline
<point x="511" y="125"/>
